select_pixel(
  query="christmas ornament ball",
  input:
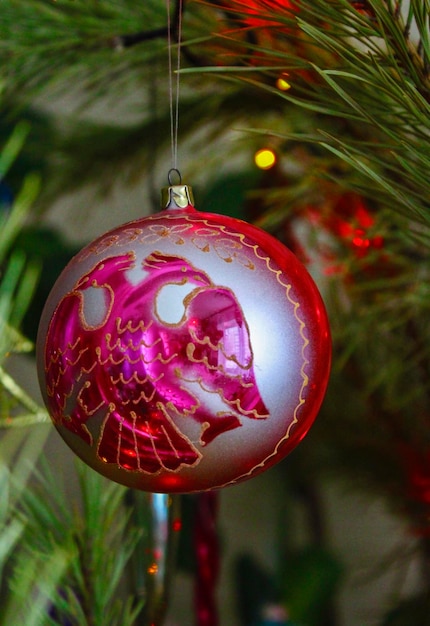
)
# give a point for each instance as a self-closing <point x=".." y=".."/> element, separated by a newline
<point x="183" y="351"/>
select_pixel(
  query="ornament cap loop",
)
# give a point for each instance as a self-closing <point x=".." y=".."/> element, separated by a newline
<point x="177" y="197"/>
<point x="175" y="171"/>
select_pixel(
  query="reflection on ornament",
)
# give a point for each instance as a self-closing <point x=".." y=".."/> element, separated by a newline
<point x="265" y="158"/>
<point x="161" y="514"/>
<point x="183" y="351"/>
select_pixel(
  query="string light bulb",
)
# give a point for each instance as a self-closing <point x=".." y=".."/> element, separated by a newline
<point x="282" y="83"/>
<point x="265" y="158"/>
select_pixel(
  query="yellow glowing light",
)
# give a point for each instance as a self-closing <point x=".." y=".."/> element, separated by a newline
<point x="153" y="568"/>
<point x="283" y="84"/>
<point x="265" y="158"/>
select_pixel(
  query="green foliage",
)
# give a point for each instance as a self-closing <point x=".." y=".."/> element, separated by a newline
<point x="48" y="250"/>
<point x="11" y="223"/>
<point x="62" y="558"/>
<point x="305" y="585"/>
<point x="33" y="156"/>
<point x="72" y="40"/>
<point x="31" y="601"/>
<point x="363" y="82"/>
<point x="359" y="97"/>
<point x="373" y="428"/>
<point x="26" y="594"/>
<point x="18" y="280"/>
<point x="309" y="582"/>
<point x="98" y="539"/>
<point x="357" y="117"/>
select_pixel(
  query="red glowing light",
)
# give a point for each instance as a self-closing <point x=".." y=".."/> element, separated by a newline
<point x="351" y="221"/>
<point x="260" y="13"/>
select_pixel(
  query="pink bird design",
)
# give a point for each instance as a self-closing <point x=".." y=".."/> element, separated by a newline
<point x="125" y="371"/>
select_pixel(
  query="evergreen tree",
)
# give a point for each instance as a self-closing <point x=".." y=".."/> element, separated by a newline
<point x="340" y="90"/>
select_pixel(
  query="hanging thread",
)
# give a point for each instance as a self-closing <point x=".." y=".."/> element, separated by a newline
<point x="174" y="84"/>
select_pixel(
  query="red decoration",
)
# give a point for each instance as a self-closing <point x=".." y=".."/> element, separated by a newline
<point x="258" y="11"/>
<point x="365" y="8"/>
<point x="416" y="465"/>
<point x="207" y="559"/>
<point x="352" y="224"/>
<point x="183" y="351"/>
<point x="352" y="221"/>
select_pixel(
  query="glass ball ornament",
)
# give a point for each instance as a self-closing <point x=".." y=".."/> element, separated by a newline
<point x="183" y="351"/>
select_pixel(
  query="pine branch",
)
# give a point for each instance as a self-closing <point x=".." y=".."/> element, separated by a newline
<point x="359" y="66"/>
<point x="91" y="46"/>
<point x="132" y="39"/>
<point x="24" y="597"/>
<point x="99" y="542"/>
<point x="363" y="69"/>
<point x="74" y="40"/>
<point x="18" y="279"/>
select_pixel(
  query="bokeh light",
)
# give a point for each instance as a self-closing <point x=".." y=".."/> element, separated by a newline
<point x="265" y="158"/>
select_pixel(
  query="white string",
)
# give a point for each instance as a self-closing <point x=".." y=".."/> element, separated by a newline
<point x="174" y="86"/>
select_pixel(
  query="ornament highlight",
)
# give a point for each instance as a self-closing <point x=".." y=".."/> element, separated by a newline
<point x="183" y="351"/>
